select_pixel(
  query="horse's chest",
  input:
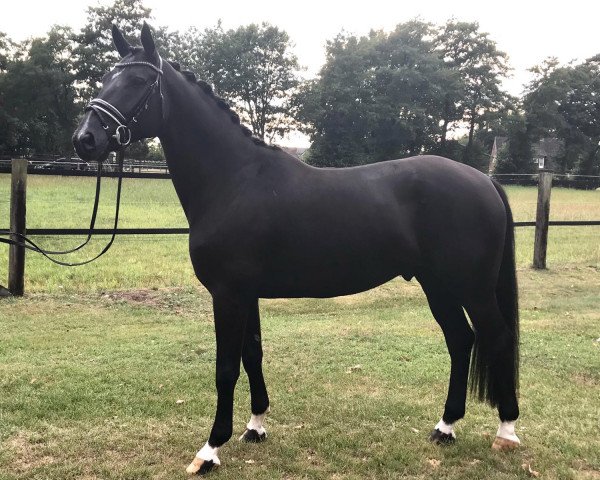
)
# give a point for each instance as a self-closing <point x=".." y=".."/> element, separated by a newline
<point x="222" y="261"/>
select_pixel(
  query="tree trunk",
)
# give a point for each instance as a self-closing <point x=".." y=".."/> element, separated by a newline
<point x="471" y="131"/>
<point x="443" y="137"/>
<point x="467" y="157"/>
<point x="589" y="165"/>
<point x="446" y="114"/>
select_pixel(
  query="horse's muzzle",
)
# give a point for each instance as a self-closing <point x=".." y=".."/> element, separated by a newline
<point x="86" y="143"/>
<point x="90" y="140"/>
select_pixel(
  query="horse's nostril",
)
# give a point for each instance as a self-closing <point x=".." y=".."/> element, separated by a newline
<point x="87" y="141"/>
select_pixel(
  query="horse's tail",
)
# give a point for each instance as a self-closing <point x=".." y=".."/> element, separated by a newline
<point x="507" y="296"/>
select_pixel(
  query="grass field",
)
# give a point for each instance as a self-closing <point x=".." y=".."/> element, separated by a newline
<point x="94" y="359"/>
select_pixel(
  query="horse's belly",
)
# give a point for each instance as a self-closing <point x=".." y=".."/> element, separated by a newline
<point x="319" y="289"/>
<point x="331" y="278"/>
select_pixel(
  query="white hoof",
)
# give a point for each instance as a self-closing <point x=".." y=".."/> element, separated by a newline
<point x="506" y="439"/>
<point x="204" y="461"/>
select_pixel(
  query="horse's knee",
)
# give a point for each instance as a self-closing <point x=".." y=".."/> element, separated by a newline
<point x="252" y="360"/>
<point x="459" y="342"/>
<point x="226" y="378"/>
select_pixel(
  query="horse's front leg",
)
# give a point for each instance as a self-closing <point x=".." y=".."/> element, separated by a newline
<point x="231" y="314"/>
<point x="252" y="355"/>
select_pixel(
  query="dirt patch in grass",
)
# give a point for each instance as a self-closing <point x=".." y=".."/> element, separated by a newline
<point x="148" y="297"/>
<point x="585" y="379"/>
<point x="176" y="300"/>
<point x="26" y="454"/>
<point x="586" y="474"/>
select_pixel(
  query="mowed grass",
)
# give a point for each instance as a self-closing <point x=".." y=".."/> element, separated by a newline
<point x="94" y="360"/>
<point x="133" y="261"/>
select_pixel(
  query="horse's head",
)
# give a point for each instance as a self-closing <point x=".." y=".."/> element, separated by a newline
<point x="129" y="106"/>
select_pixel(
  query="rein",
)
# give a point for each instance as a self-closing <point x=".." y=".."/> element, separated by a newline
<point x="23" y="241"/>
<point x="122" y="136"/>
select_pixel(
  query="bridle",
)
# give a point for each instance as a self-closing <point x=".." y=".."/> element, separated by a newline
<point x="122" y="136"/>
<point x="103" y="108"/>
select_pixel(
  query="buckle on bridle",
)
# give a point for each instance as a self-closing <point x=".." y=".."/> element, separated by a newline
<point x="122" y="135"/>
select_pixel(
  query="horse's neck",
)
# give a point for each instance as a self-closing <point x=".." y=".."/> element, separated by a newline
<point x="203" y="147"/>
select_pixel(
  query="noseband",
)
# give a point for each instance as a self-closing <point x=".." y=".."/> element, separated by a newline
<point x="103" y="108"/>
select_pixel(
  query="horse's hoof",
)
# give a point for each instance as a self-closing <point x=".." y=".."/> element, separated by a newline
<point x="504" y="444"/>
<point x="440" y="438"/>
<point x="252" y="436"/>
<point x="201" y="467"/>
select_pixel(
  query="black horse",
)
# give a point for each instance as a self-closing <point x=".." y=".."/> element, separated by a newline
<point x="266" y="225"/>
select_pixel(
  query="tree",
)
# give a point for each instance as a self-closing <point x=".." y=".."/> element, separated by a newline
<point x="563" y="102"/>
<point x="377" y="97"/>
<point x="411" y="81"/>
<point x="37" y="97"/>
<point x="481" y="68"/>
<point x="336" y="106"/>
<point x="516" y="157"/>
<point x="183" y="48"/>
<point x="254" y="68"/>
<point x="95" y="54"/>
<point x="5" y="51"/>
<point x="155" y="152"/>
<point x="6" y="121"/>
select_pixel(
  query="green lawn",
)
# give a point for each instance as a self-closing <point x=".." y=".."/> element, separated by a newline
<point x="94" y="359"/>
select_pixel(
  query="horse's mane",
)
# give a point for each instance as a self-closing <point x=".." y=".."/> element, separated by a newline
<point x="221" y="103"/>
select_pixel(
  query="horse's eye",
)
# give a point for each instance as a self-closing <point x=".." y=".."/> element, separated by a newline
<point x="139" y="80"/>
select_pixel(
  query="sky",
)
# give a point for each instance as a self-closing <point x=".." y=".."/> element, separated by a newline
<point x="528" y="31"/>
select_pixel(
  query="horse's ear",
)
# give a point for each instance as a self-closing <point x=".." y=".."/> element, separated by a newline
<point x="148" y="41"/>
<point x="122" y="45"/>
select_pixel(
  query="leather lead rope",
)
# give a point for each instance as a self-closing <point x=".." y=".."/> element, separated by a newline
<point x="29" y="244"/>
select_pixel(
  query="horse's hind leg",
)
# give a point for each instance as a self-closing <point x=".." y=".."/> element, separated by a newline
<point x="252" y="355"/>
<point x="495" y="365"/>
<point x="459" y="339"/>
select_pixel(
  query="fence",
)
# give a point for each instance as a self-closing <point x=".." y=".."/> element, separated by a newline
<point x="585" y="182"/>
<point x="21" y="167"/>
<point x="74" y="167"/>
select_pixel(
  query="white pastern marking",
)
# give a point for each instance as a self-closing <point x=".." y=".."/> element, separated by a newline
<point x="208" y="453"/>
<point x="446" y="428"/>
<point x="256" y="423"/>
<point x="507" y="430"/>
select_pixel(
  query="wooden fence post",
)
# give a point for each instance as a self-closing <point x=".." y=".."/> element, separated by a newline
<point x="16" y="254"/>
<point x="541" y="219"/>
